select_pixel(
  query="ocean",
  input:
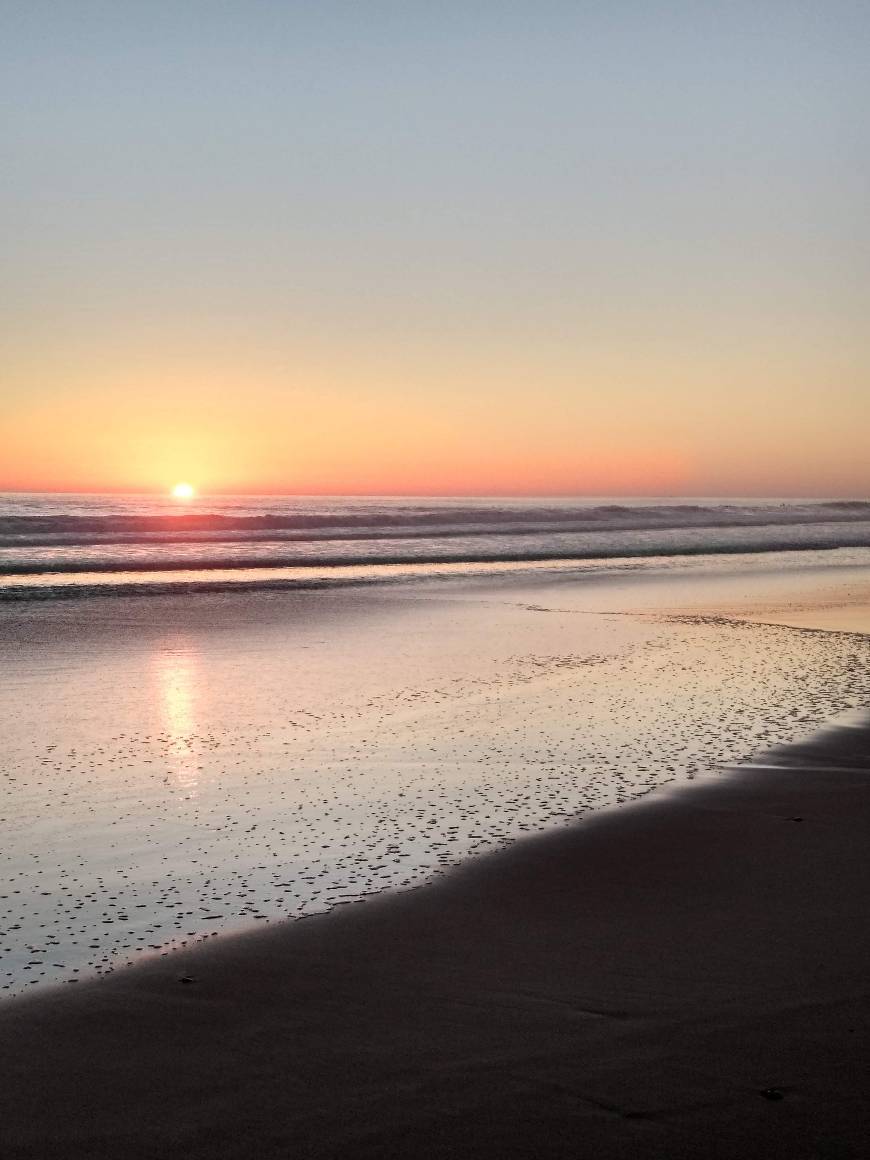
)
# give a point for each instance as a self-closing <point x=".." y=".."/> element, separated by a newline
<point x="321" y="699"/>
<point x="64" y="545"/>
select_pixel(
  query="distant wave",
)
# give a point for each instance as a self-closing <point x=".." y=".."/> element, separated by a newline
<point x="132" y="543"/>
<point x="61" y="529"/>
<point x="181" y="564"/>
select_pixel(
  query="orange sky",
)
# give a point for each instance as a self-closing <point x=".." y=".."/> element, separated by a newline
<point x="650" y="417"/>
<point x="599" y="427"/>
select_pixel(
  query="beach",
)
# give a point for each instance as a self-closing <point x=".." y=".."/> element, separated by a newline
<point x="180" y="767"/>
<point x="608" y="941"/>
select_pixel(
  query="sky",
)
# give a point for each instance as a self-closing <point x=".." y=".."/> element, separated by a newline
<point x="435" y="248"/>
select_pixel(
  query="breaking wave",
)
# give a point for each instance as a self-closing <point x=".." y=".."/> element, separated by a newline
<point x="79" y="539"/>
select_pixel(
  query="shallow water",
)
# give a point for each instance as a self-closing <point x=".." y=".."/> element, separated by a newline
<point x="179" y="767"/>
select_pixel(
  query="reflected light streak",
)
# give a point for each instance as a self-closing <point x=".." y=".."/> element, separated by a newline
<point x="176" y="670"/>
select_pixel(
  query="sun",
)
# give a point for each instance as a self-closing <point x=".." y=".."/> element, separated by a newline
<point x="183" y="491"/>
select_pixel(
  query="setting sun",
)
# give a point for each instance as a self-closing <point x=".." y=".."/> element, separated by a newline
<point x="183" y="491"/>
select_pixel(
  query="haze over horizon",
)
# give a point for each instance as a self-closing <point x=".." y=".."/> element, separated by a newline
<point x="486" y="249"/>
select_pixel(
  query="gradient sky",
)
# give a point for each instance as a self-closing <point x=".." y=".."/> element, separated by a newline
<point x="408" y="247"/>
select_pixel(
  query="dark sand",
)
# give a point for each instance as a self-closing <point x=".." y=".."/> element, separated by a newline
<point x="686" y="976"/>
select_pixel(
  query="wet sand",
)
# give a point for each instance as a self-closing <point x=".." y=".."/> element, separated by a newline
<point x="179" y="767"/>
<point x="686" y="976"/>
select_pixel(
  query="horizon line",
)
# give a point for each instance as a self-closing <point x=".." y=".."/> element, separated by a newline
<point x="505" y="495"/>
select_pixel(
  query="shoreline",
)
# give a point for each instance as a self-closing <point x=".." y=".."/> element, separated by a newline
<point x="191" y="767"/>
<point x="683" y="976"/>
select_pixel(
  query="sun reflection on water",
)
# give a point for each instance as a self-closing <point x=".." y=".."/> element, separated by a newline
<point x="176" y="668"/>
